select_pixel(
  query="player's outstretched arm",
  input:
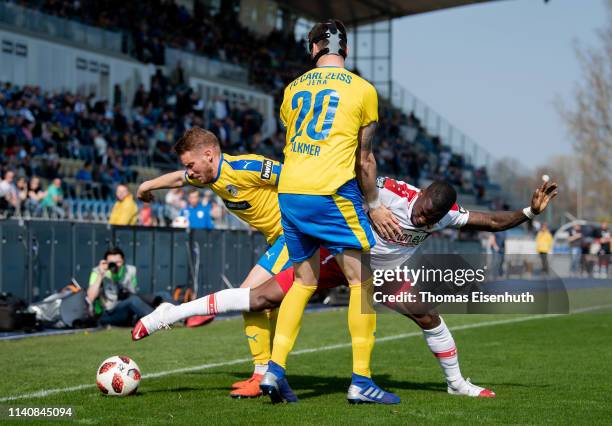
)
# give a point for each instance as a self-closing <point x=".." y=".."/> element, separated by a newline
<point x="383" y="220"/>
<point x="502" y="220"/>
<point x="167" y="181"/>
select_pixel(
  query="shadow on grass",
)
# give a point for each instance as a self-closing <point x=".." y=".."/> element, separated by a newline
<point x="313" y="386"/>
<point x="310" y="386"/>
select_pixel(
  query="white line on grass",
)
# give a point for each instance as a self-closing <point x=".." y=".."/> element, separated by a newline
<point x="47" y="392"/>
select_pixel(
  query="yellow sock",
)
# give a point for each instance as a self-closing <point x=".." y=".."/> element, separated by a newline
<point x="272" y="317"/>
<point x="289" y="321"/>
<point x="362" y="326"/>
<point x="257" y="331"/>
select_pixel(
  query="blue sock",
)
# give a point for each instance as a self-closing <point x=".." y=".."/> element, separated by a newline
<point x="276" y="369"/>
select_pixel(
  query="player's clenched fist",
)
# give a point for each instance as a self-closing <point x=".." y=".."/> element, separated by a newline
<point x="143" y="194"/>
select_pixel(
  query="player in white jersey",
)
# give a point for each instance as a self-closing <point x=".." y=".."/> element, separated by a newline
<point x="417" y="217"/>
<point x="419" y="213"/>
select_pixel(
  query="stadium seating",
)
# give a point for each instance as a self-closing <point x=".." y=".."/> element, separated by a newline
<point x="57" y="134"/>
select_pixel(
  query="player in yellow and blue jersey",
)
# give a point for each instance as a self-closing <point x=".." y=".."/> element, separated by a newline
<point x="330" y="115"/>
<point x="247" y="184"/>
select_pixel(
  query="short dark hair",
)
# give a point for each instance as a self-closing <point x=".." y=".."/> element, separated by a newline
<point x="443" y="196"/>
<point x="194" y="138"/>
<point x="319" y="30"/>
<point x="114" y="250"/>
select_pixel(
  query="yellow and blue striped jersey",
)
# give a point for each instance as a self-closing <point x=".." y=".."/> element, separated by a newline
<point x="323" y="110"/>
<point x="247" y="185"/>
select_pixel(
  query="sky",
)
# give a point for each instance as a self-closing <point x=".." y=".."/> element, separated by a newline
<point x="494" y="70"/>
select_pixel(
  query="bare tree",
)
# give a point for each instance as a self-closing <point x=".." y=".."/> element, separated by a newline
<point x="589" y="121"/>
<point x="513" y="177"/>
<point x="518" y="184"/>
<point x="564" y="171"/>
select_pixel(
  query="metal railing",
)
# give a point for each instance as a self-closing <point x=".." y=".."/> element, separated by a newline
<point x="437" y="125"/>
<point x="205" y="67"/>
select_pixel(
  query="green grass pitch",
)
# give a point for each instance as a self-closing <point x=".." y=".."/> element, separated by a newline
<point x="553" y="369"/>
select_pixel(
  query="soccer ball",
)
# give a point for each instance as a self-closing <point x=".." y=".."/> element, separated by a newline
<point x="118" y="376"/>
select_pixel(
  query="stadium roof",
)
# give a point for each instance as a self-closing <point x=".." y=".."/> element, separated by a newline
<point x="365" y="11"/>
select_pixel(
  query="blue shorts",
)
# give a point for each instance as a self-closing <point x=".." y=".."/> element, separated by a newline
<point x="336" y="222"/>
<point x="276" y="258"/>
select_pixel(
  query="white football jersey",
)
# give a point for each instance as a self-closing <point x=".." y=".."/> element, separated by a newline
<point x="400" y="197"/>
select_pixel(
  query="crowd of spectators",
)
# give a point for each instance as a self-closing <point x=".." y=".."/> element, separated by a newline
<point x="37" y="129"/>
<point x="114" y="138"/>
<point x="590" y="250"/>
<point x="152" y="26"/>
<point x="404" y="147"/>
<point x="273" y="61"/>
<point x="181" y="208"/>
<point x="112" y="141"/>
<point x="586" y="249"/>
<point x="22" y="198"/>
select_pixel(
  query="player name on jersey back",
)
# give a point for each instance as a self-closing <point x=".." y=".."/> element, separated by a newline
<point x="323" y="111"/>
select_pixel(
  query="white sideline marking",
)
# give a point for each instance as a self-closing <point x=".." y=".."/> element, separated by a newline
<point x="47" y="392"/>
<point x="51" y="333"/>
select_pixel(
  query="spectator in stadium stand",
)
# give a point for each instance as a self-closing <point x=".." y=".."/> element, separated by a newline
<point x="174" y="203"/>
<point x="117" y="95"/>
<point x="177" y="77"/>
<point x="544" y="243"/>
<point x="198" y="214"/>
<point x="219" y="109"/>
<point x="53" y="199"/>
<point x="414" y="170"/>
<point x="605" y="240"/>
<point x="112" y="291"/>
<point x="145" y="216"/>
<point x="215" y="209"/>
<point x="575" y="244"/>
<point x="588" y="255"/>
<point x="497" y="242"/>
<point x="84" y="174"/>
<point x="125" y="210"/>
<point x="100" y="143"/>
<point x="140" y="97"/>
<point x="8" y="193"/>
<point x="22" y="192"/>
<point x="35" y="195"/>
<point x="94" y="129"/>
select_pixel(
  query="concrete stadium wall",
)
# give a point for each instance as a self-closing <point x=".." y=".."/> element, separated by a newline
<point x="26" y="59"/>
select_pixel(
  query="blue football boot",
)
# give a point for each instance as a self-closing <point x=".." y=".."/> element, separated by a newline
<point x="363" y="390"/>
<point x="274" y="384"/>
